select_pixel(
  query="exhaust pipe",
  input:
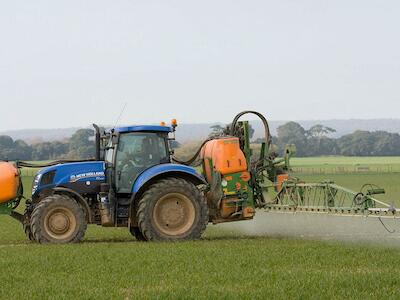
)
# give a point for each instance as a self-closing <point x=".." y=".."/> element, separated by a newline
<point x="97" y="141"/>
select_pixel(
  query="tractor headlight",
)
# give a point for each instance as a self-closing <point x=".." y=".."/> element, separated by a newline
<point x="35" y="183"/>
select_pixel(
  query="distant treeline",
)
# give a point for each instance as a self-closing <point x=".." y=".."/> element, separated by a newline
<point x="315" y="141"/>
<point x="79" y="146"/>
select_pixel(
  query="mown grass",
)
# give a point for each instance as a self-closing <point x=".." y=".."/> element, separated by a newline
<point x="111" y="264"/>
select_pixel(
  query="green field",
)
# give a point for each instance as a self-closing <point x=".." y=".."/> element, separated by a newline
<point x="344" y="161"/>
<point x="346" y="165"/>
<point x="111" y="265"/>
<point x="226" y="263"/>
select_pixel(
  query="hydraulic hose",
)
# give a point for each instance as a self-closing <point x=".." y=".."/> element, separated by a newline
<point x="263" y="119"/>
<point x="231" y="132"/>
<point x="257" y="166"/>
<point x="193" y="158"/>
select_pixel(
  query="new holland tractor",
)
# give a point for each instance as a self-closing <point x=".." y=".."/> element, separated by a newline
<point x="136" y="182"/>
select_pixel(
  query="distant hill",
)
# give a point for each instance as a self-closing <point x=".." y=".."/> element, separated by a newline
<point x="41" y="135"/>
<point x="188" y="132"/>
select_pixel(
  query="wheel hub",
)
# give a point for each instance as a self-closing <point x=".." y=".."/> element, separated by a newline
<point x="59" y="223"/>
<point x="174" y="214"/>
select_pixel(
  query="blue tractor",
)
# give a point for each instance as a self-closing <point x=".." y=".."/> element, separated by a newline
<point x="131" y="183"/>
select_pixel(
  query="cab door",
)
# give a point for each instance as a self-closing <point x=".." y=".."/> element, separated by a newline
<point x="136" y="152"/>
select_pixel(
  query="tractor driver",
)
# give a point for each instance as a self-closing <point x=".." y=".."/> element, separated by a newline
<point x="141" y="155"/>
<point x="134" y="162"/>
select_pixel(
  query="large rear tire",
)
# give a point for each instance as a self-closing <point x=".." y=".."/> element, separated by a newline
<point x="172" y="209"/>
<point x="58" y="219"/>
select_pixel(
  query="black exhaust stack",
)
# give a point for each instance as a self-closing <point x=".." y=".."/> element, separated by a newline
<point x="97" y="141"/>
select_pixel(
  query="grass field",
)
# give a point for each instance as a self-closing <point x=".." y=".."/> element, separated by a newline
<point x="225" y="264"/>
<point x="110" y="265"/>
<point x="346" y="165"/>
<point x="344" y="161"/>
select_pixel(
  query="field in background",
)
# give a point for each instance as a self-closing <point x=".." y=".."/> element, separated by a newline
<point x="345" y="165"/>
<point x="226" y="263"/>
<point x="345" y="160"/>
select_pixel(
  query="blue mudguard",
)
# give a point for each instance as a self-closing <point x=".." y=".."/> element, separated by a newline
<point x="167" y="170"/>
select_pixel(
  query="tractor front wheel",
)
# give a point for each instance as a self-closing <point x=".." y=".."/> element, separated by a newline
<point x="172" y="209"/>
<point x="58" y="219"/>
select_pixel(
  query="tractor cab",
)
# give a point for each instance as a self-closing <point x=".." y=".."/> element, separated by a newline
<point x="137" y="158"/>
<point x="132" y="150"/>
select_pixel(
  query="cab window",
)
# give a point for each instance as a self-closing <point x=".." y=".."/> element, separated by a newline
<point x="136" y="152"/>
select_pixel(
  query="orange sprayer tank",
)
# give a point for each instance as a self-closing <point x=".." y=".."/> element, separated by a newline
<point x="9" y="182"/>
<point x="226" y="156"/>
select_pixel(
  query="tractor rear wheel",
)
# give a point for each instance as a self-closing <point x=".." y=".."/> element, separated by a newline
<point x="172" y="209"/>
<point x="135" y="231"/>
<point x="58" y="219"/>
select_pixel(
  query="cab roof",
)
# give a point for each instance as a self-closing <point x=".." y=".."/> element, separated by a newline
<point x="141" y="128"/>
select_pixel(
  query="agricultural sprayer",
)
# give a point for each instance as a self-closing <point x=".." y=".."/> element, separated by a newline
<point x="136" y="182"/>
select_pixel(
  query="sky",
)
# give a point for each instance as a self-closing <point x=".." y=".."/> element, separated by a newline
<point x="72" y="63"/>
